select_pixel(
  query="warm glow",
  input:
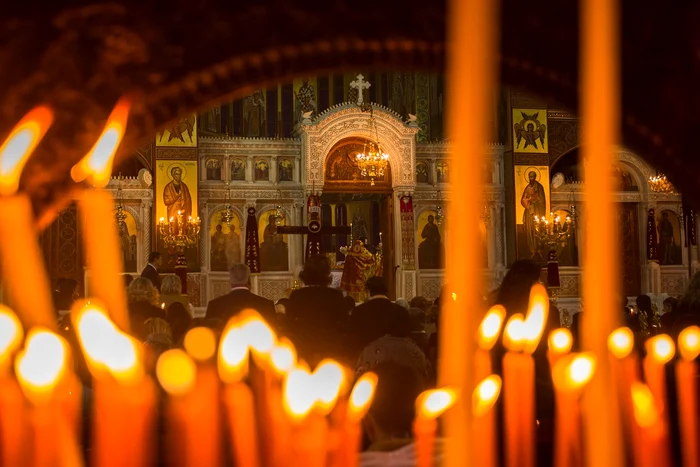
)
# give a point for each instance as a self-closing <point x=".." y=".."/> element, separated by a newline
<point x="106" y="348"/>
<point x="514" y="335"/>
<point x="19" y="145"/>
<point x="283" y="357"/>
<point x="42" y="362"/>
<point x="621" y="342"/>
<point x="299" y="394"/>
<point x="233" y="355"/>
<point x="485" y="395"/>
<point x="434" y="402"/>
<point x="328" y="380"/>
<point x="176" y="371"/>
<point x="661" y="348"/>
<point x="259" y="335"/>
<point x="490" y="327"/>
<point x="645" y="411"/>
<point x="536" y="319"/>
<point x="560" y="341"/>
<point x="688" y="343"/>
<point x="362" y="395"/>
<point x="581" y="369"/>
<point x="97" y="163"/>
<point x="11" y="332"/>
<point x="200" y="343"/>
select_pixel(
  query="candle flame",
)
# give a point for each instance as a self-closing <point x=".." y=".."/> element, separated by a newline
<point x="105" y="346"/>
<point x="11" y="332"/>
<point x="490" y="327"/>
<point x="538" y="311"/>
<point x="233" y="355"/>
<point x="200" y="343"/>
<point x="97" y="163"/>
<point x="688" y="343"/>
<point x="329" y="379"/>
<point x="362" y="395"/>
<point x="19" y="145"/>
<point x="259" y="335"/>
<point x="621" y="342"/>
<point x="283" y="357"/>
<point x="299" y="394"/>
<point x="661" y="348"/>
<point x="572" y="372"/>
<point x="42" y="363"/>
<point x="514" y="335"/>
<point x="485" y="395"/>
<point x="560" y="341"/>
<point x="434" y="402"/>
<point x="645" y="412"/>
<point x="176" y="372"/>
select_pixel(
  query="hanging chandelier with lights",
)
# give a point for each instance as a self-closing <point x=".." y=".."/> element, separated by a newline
<point x="372" y="161"/>
<point x="660" y="184"/>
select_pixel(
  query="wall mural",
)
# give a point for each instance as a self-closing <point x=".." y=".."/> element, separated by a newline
<point x="285" y="170"/>
<point x="624" y="179"/>
<point x="274" y="249"/>
<point x="443" y="172"/>
<point x="262" y="170"/>
<point x="128" y="243"/>
<point x="213" y="169"/>
<point x="530" y="130"/>
<point x="430" y="238"/>
<point x="225" y="245"/>
<point x="180" y="134"/>
<point x="531" y="199"/>
<point x="237" y="169"/>
<point x="668" y="229"/>
<point x="422" y="172"/>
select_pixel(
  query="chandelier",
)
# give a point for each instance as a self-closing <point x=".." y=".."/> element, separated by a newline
<point x="178" y="233"/>
<point x="660" y="184"/>
<point x="227" y="213"/>
<point x="373" y="160"/>
<point x="550" y="231"/>
<point x="279" y="212"/>
<point x="439" y="211"/>
<point x="120" y="215"/>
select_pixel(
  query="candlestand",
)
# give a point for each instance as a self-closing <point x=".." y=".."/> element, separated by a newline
<point x="180" y="235"/>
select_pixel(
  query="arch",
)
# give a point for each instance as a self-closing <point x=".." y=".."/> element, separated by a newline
<point x="339" y="172"/>
<point x="348" y="120"/>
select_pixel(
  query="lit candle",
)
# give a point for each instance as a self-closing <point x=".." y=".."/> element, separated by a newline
<point x="124" y="397"/>
<point x="41" y="367"/>
<point x="570" y="374"/>
<point x="96" y="207"/>
<point x="650" y="451"/>
<point x="12" y="417"/>
<point x="686" y="388"/>
<point x="660" y="351"/>
<point x="429" y="406"/>
<point x="513" y="362"/>
<point x="487" y="335"/>
<point x="483" y="400"/>
<point x="558" y="344"/>
<point x="21" y="260"/>
<point x="359" y="403"/>
<point x="600" y="96"/>
<point x="471" y="78"/>
<point x="238" y="398"/>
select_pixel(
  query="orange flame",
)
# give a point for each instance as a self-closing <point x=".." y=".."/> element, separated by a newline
<point x="11" y="333"/>
<point x="176" y="372"/>
<point x="645" y="411"/>
<point x="434" y="402"/>
<point x="362" y="395"/>
<point x="299" y="394"/>
<point x="661" y="348"/>
<point x="689" y="343"/>
<point x="490" y="327"/>
<point x="97" y="163"/>
<point x="19" y="145"/>
<point x="485" y="395"/>
<point x="514" y="334"/>
<point x="560" y="341"/>
<point x="41" y="365"/>
<point x="536" y="318"/>
<point x="329" y="379"/>
<point x="621" y="342"/>
<point x="200" y="343"/>
<point x="573" y="372"/>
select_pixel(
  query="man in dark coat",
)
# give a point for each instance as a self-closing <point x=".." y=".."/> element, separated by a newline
<point x="239" y="298"/>
<point x="150" y="272"/>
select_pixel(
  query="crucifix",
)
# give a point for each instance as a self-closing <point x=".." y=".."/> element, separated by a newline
<point x="313" y="228"/>
<point x="360" y="84"/>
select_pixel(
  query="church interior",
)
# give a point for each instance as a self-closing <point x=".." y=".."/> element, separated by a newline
<point x="252" y="164"/>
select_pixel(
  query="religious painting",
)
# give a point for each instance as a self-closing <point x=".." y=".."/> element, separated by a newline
<point x="531" y="200"/>
<point x="443" y="172"/>
<point x="262" y="171"/>
<point x="225" y="242"/>
<point x="422" y="172"/>
<point x="237" y="169"/>
<point x="176" y="191"/>
<point x="431" y="240"/>
<point x="127" y="241"/>
<point x="342" y="172"/>
<point x="624" y="179"/>
<point x="668" y="230"/>
<point x="567" y="252"/>
<point x="274" y="249"/>
<point x="182" y="133"/>
<point x="285" y="170"/>
<point x="213" y="169"/>
<point x="254" y="113"/>
<point x="530" y="131"/>
<point x="304" y="99"/>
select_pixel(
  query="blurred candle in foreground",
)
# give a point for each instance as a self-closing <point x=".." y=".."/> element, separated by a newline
<point x="483" y="400"/>
<point x="97" y="217"/>
<point x="652" y="430"/>
<point x="21" y="261"/>
<point x="309" y="429"/>
<point x="660" y="350"/>
<point x="513" y="362"/>
<point x="559" y="344"/>
<point x="487" y="335"/>
<point x="686" y="389"/>
<point x="429" y="406"/>
<point x="570" y="374"/>
<point x="358" y="404"/>
<point x="12" y="410"/>
<point x="599" y="78"/>
<point x="624" y="364"/>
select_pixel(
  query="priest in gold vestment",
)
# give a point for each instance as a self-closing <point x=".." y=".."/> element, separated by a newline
<point x="359" y="266"/>
<point x="176" y="196"/>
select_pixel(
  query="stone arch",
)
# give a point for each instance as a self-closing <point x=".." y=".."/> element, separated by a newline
<point x="348" y="120"/>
